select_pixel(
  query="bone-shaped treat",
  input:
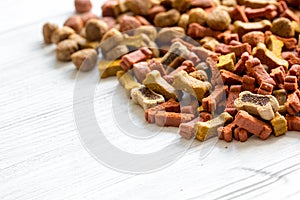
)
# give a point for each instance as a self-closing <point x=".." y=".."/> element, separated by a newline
<point x="262" y="105"/>
<point x="290" y="83"/>
<point x="257" y="70"/>
<point x="234" y="92"/>
<point x="252" y="125"/>
<point x="268" y="58"/>
<point x="242" y="27"/>
<point x="211" y="102"/>
<point x="197" y="88"/>
<point x="279" y="125"/>
<point x="140" y="70"/>
<point x="145" y="97"/>
<point x="206" y="130"/>
<point x="186" y="130"/>
<point x="292" y="103"/>
<point x="268" y="12"/>
<point x="155" y="82"/>
<point x="127" y="81"/>
<point x="134" y="57"/>
<point x="172" y="119"/>
<point x="265" y="89"/>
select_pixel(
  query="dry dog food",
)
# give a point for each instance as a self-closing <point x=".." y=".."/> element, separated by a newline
<point x="209" y="67"/>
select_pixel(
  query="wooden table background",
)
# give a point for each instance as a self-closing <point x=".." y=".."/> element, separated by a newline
<point x="41" y="156"/>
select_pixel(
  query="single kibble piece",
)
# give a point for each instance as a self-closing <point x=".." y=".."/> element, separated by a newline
<point x="292" y="103"/>
<point x="184" y="21"/>
<point x="75" y="22"/>
<point x="279" y="125"/>
<point x="139" y="55"/>
<point x="234" y="92"/>
<point x="83" y="6"/>
<point x="262" y="105"/>
<point x="186" y="83"/>
<point x="146" y="98"/>
<point x="61" y="34"/>
<point x="197" y="15"/>
<point x="109" y="68"/>
<point x="172" y="119"/>
<point x="95" y="29"/>
<point x="129" y="23"/>
<point x="218" y="20"/>
<point x="85" y="59"/>
<point x="155" y="82"/>
<point x="293" y="123"/>
<point x="206" y="130"/>
<point x="65" y="49"/>
<point x="139" y="7"/>
<point x="127" y="81"/>
<point x="283" y="27"/>
<point x="186" y="130"/>
<point x="48" y="29"/>
<point x="253" y="38"/>
<point x="227" y="62"/>
<point x="245" y="27"/>
<point x="275" y="45"/>
<point x="290" y="83"/>
<point x="166" y="19"/>
<point x="140" y="70"/>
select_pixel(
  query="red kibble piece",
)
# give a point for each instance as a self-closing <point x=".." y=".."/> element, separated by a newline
<point x="240" y="67"/>
<point x="128" y="60"/>
<point x="238" y="13"/>
<point x="265" y="89"/>
<point x="278" y="75"/>
<point x="197" y="31"/>
<point x="230" y="78"/>
<point x="293" y="123"/>
<point x="240" y="134"/>
<point x="292" y="103"/>
<point x="210" y="103"/>
<point x="234" y="92"/>
<point x="290" y="83"/>
<point x="172" y="119"/>
<point x="83" y="6"/>
<point x="108" y="8"/>
<point x="268" y="12"/>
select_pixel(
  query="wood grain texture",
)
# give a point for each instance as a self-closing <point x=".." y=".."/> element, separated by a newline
<point x="41" y="156"/>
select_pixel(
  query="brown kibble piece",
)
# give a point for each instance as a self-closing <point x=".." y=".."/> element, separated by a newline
<point x="290" y="83"/>
<point x="268" y="12"/>
<point x="248" y="83"/>
<point x="252" y="125"/>
<point x="238" y="14"/>
<point x="61" y="34"/>
<point x="95" y="29"/>
<point x="197" y="15"/>
<point x="283" y="27"/>
<point x="234" y="92"/>
<point x="278" y="75"/>
<point x="128" y="23"/>
<point x="75" y="22"/>
<point x="172" y="119"/>
<point x="85" y="59"/>
<point x="134" y="57"/>
<point x="211" y="102"/>
<point x="186" y="130"/>
<point x="65" y="49"/>
<point x="218" y="20"/>
<point x="242" y="28"/>
<point x="265" y="89"/>
<point x="292" y="103"/>
<point x="87" y="16"/>
<point x="48" y="30"/>
<point x="83" y="6"/>
<point x="139" y="7"/>
<point x="240" y="134"/>
<point x="166" y="19"/>
<point x="197" y="31"/>
<point x="293" y="123"/>
<point x="253" y="38"/>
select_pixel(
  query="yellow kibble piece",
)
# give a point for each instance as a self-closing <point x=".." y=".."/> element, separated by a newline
<point x="227" y="62"/>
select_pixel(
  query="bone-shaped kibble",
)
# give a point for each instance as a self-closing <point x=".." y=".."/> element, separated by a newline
<point x="186" y="130"/>
<point x="134" y="57"/>
<point x="292" y="103"/>
<point x="145" y="97"/>
<point x="230" y="78"/>
<point x="170" y="106"/>
<point x="278" y="75"/>
<point x="252" y="125"/>
<point x="127" y="81"/>
<point x="206" y="130"/>
<point x="234" y="92"/>
<point x="172" y="119"/>
<point x="109" y="68"/>
<point x="290" y="83"/>
<point x="257" y="70"/>
<point x="197" y="88"/>
<point x="197" y="31"/>
<point x="293" y="123"/>
<point x="279" y="124"/>
<point x="155" y="82"/>
<point x="253" y="38"/>
<point x="240" y="134"/>
<point x="262" y="105"/>
<point x="242" y="28"/>
<point x="268" y="58"/>
<point x="137" y="41"/>
<point x="227" y="62"/>
<point x="265" y="89"/>
<point x="211" y="102"/>
<point x="259" y="3"/>
<point x="177" y="50"/>
<point x="268" y="12"/>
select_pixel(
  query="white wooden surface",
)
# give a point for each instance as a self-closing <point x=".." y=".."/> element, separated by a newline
<point x="41" y="156"/>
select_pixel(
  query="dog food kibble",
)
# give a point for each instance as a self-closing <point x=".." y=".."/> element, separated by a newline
<point x="83" y="6"/>
<point x="85" y="59"/>
<point x="65" y="49"/>
<point x="226" y="68"/>
<point x="218" y="20"/>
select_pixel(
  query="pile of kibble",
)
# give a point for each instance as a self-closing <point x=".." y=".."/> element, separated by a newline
<point x="226" y="67"/>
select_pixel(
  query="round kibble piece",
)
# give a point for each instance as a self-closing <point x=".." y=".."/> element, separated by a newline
<point x="218" y="20"/>
<point x="283" y="27"/>
<point x="61" y="34"/>
<point x="139" y="7"/>
<point x="85" y="59"/>
<point x="166" y="19"/>
<point x="48" y="29"/>
<point x="65" y="49"/>
<point x="75" y="22"/>
<point x="128" y="23"/>
<point x="83" y="6"/>
<point x="95" y="29"/>
<point x="198" y="15"/>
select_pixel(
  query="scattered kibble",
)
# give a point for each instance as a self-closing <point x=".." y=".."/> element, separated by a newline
<point x="240" y="73"/>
